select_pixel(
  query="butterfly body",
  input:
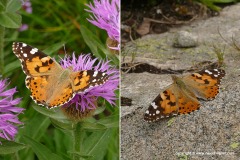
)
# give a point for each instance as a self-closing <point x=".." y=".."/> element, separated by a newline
<point x="181" y="96"/>
<point x="51" y="84"/>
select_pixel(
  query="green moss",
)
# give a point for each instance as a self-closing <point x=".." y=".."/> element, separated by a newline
<point x="182" y="157"/>
<point x="170" y="122"/>
<point x="234" y="145"/>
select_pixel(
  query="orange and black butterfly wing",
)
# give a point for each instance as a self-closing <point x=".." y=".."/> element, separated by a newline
<point x="164" y="105"/>
<point x="205" y="84"/>
<point x="41" y="71"/>
<point x="34" y="62"/>
<point x="171" y="102"/>
<point x="87" y="79"/>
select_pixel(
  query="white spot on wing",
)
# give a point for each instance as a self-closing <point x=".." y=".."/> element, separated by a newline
<point x="157" y="111"/>
<point x="207" y="71"/>
<point x="154" y="105"/>
<point x="34" y="50"/>
<point x="25" y="55"/>
<point x="24" y="44"/>
<point x="95" y="73"/>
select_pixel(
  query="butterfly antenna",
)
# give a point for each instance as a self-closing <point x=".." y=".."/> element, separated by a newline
<point x="64" y="48"/>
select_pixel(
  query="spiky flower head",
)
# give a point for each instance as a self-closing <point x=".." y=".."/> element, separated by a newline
<point x="106" y="16"/>
<point x="83" y="102"/>
<point x="8" y="111"/>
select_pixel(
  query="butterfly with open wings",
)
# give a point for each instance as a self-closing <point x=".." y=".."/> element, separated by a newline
<point x="50" y="84"/>
<point x="181" y="96"/>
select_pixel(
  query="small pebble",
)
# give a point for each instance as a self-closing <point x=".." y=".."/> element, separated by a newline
<point x="184" y="39"/>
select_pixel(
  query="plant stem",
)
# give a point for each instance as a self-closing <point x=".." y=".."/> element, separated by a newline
<point x="77" y="140"/>
<point x="2" y="33"/>
<point x="16" y="157"/>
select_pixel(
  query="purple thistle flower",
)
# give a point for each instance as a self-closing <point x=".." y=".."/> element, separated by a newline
<point x="87" y="100"/>
<point x="106" y="16"/>
<point x="24" y="27"/>
<point x="8" y="112"/>
<point x="27" y="6"/>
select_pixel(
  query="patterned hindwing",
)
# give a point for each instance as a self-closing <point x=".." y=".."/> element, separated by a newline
<point x="171" y="102"/>
<point x="187" y="102"/>
<point x="164" y="105"/>
<point x="43" y="95"/>
<point x="87" y="79"/>
<point x="205" y="84"/>
<point x="64" y="96"/>
<point x="37" y="86"/>
<point x="34" y="62"/>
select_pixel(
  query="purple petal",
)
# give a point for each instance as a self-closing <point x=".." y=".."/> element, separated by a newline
<point x="24" y="27"/>
<point x="8" y="112"/>
<point x="8" y="92"/>
<point x="106" y="16"/>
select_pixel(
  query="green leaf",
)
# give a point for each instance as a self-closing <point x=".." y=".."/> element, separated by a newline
<point x="97" y="144"/>
<point x="63" y="141"/>
<point x="36" y="126"/>
<point x="53" y="48"/>
<point x="110" y="121"/>
<point x="92" y="126"/>
<point x="99" y="110"/>
<point x="13" y="5"/>
<point x="63" y="124"/>
<point x="113" y="146"/>
<point x="1" y="7"/>
<point x="95" y="45"/>
<point x="210" y="3"/>
<point x="10" y="20"/>
<point x="93" y="42"/>
<point x="222" y="1"/>
<point x="11" y="67"/>
<point x="42" y="152"/>
<point x="52" y="113"/>
<point x="79" y="155"/>
<point x="8" y="147"/>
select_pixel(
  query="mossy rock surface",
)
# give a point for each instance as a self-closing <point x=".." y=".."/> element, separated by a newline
<point x="209" y="131"/>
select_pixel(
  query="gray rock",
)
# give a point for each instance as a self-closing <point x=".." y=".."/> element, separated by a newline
<point x="184" y="39"/>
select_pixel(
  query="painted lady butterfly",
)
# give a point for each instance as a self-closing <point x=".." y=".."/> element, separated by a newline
<point x="49" y="83"/>
<point x="181" y="96"/>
